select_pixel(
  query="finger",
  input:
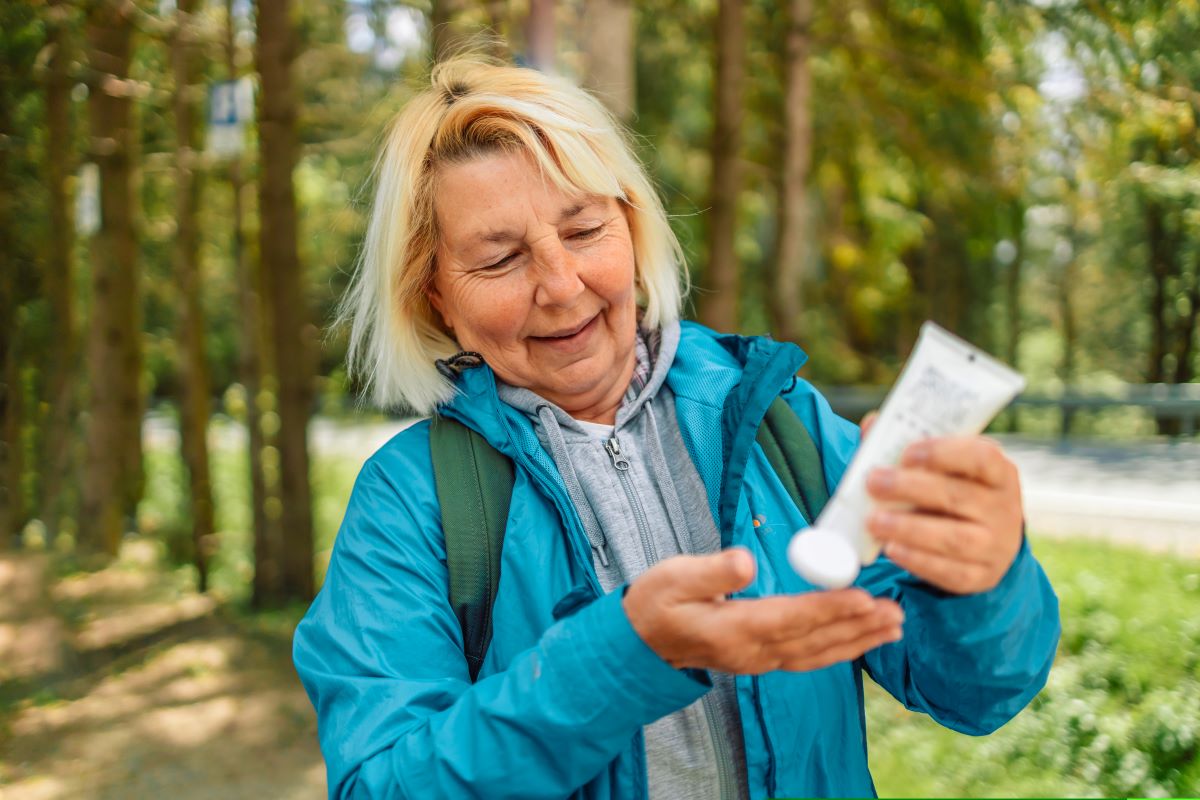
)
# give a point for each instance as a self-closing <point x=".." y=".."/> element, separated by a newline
<point x="772" y="619"/>
<point x="946" y="536"/>
<point x="702" y="577"/>
<point x="931" y="491"/>
<point x="886" y="614"/>
<point x="975" y="458"/>
<point x="951" y="574"/>
<point x="845" y="651"/>
<point x="868" y="421"/>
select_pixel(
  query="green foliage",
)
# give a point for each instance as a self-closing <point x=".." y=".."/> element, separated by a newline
<point x="163" y="513"/>
<point x="1120" y="715"/>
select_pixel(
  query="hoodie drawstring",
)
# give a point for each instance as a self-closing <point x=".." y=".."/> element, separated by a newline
<point x="558" y="451"/>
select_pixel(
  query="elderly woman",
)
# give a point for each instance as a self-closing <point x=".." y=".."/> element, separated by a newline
<point x="648" y="636"/>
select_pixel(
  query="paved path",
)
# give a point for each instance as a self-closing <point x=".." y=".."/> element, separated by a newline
<point x="1146" y="493"/>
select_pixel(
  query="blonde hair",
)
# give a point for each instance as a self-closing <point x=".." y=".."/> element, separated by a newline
<point x="473" y="108"/>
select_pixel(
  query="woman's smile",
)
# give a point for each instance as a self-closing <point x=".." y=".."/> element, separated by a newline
<point x="570" y="340"/>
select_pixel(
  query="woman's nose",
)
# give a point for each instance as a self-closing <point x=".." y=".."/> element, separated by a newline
<point x="557" y="276"/>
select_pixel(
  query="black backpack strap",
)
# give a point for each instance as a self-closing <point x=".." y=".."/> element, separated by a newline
<point x="474" y="487"/>
<point x="793" y="455"/>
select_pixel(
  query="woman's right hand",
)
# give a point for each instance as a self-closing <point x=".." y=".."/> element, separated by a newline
<point x="679" y="609"/>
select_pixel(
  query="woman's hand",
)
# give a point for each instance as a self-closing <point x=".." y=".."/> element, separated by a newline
<point x="950" y="513"/>
<point x="679" y="609"/>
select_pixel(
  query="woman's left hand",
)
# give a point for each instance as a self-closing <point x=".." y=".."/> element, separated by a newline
<point x="950" y="513"/>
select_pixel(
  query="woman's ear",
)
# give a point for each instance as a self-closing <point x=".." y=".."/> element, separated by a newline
<point x="438" y="302"/>
<point x="435" y="300"/>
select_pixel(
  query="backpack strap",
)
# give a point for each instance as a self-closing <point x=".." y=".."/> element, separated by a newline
<point x="474" y="486"/>
<point x="793" y="455"/>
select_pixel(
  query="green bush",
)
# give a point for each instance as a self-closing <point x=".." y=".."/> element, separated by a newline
<point x="1120" y="715"/>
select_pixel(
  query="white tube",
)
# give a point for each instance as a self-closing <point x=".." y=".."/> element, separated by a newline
<point x="947" y="388"/>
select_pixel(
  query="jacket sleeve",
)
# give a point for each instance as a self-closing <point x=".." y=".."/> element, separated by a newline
<point x="971" y="662"/>
<point x="380" y="655"/>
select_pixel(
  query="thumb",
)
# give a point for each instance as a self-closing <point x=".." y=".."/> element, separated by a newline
<point x="703" y="577"/>
<point x="868" y="422"/>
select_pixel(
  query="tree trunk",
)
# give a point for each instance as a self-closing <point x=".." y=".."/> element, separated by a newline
<point x="291" y="332"/>
<point x="58" y="281"/>
<point x="1188" y="330"/>
<point x="1066" y="306"/>
<point x="1163" y="249"/>
<point x="1156" y="240"/>
<point x="268" y="547"/>
<point x="445" y="39"/>
<point x="12" y="513"/>
<point x="540" y="36"/>
<point x="719" y="306"/>
<point x="194" y="404"/>
<point x="15" y="269"/>
<point x="794" y="233"/>
<point x="114" y="345"/>
<point x="497" y="13"/>
<point x="609" y="54"/>
<point x="1012" y="302"/>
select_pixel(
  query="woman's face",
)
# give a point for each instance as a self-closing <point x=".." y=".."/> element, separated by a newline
<point x="539" y="282"/>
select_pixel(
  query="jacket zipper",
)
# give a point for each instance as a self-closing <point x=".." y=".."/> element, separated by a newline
<point x="720" y="746"/>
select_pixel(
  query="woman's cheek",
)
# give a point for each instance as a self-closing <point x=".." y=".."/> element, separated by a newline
<point x="497" y="312"/>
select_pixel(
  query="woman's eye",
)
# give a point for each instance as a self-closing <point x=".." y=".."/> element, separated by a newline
<point x="586" y="234"/>
<point x="502" y="262"/>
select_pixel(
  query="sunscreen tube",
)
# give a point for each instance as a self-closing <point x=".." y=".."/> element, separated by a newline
<point x="947" y="388"/>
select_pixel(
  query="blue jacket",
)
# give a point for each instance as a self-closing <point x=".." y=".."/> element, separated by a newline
<point x="567" y="684"/>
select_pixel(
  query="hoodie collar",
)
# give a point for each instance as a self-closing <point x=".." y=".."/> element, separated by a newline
<point x="656" y="354"/>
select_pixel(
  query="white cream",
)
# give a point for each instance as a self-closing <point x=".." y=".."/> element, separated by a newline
<point x="947" y="388"/>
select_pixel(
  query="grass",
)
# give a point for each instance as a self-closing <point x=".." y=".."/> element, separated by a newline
<point x="1119" y="716"/>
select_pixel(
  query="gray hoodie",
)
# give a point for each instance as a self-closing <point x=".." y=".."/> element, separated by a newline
<point x="641" y="500"/>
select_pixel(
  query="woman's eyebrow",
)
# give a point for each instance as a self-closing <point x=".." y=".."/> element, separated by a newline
<point x="571" y="211"/>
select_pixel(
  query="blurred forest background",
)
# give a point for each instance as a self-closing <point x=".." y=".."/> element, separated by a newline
<point x="185" y="186"/>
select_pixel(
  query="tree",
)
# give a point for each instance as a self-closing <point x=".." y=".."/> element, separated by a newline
<point x="540" y="38"/>
<point x="194" y="384"/>
<point x="609" y="54"/>
<point x="58" y="273"/>
<point x="445" y="37"/>
<point x="719" y="306"/>
<point x="793" y="231"/>
<point x="292" y="333"/>
<point x="112" y="477"/>
<point x="20" y="230"/>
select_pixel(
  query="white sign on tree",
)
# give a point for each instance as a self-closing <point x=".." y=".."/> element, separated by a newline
<point x="230" y="109"/>
<point x="87" y="199"/>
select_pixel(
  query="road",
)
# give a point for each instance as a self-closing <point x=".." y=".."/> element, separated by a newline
<point x="1146" y="494"/>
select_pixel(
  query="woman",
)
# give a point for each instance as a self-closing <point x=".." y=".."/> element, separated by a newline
<point x="648" y="634"/>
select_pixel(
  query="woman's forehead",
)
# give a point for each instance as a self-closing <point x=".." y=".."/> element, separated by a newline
<point x="491" y="198"/>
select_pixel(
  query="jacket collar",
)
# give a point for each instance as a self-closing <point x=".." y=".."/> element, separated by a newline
<point x="741" y="374"/>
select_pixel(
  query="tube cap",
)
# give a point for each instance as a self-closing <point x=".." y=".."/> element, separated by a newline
<point x="823" y="558"/>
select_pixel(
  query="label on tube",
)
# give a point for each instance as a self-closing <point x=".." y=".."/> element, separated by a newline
<point x="948" y="387"/>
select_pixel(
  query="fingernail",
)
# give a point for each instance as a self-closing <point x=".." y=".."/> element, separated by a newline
<point x="882" y="479"/>
<point x="894" y="551"/>
<point x="917" y="453"/>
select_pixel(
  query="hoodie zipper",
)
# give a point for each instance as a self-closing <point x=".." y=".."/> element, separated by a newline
<point x="621" y="463"/>
<point x="728" y="790"/>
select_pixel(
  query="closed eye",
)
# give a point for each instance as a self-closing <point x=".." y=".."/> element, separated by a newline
<point x="502" y="262"/>
<point x="586" y="234"/>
